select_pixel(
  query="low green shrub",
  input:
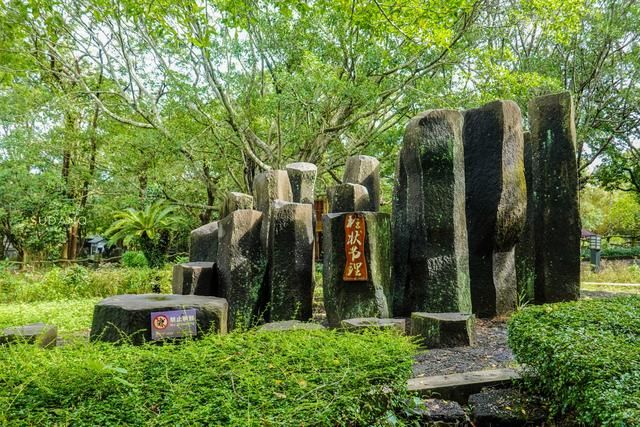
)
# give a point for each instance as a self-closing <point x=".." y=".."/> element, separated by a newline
<point x="242" y="379"/>
<point x="134" y="259"/>
<point x="79" y="282"/>
<point x="585" y="356"/>
<point x="613" y="252"/>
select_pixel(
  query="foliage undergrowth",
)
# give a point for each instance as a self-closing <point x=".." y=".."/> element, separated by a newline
<point x="134" y="259"/>
<point x="251" y="378"/>
<point x="585" y="356"/>
<point x="68" y="316"/>
<point x="613" y="272"/>
<point x="614" y="252"/>
<point x="79" y="282"/>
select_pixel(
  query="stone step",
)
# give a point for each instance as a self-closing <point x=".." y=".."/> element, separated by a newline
<point x="458" y="387"/>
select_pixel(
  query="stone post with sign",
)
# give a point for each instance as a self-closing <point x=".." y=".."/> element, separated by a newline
<point x="357" y="265"/>
<point x="495" y="204"/>
<point x="431" y="266"/>
<point x="556" y="209"/>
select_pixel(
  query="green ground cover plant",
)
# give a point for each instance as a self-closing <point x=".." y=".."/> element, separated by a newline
<point x="585" y="356"/>
<point x="78" y="282"/>
<point x="244" y="379"/>
<point x="612" y="271"/>
<point x="69" y="316"/>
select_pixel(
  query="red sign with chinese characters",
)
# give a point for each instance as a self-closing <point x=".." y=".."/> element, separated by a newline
<point x="355" y="269"/>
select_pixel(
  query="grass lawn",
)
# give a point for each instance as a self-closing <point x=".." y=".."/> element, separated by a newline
<point x="69" y="316"/>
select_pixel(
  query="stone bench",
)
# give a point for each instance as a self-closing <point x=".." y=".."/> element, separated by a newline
<point x="147" y="317"/>
<point x="36" y="333"/>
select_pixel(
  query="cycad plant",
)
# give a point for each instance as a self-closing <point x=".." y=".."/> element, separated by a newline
<point x="149" y="228"/>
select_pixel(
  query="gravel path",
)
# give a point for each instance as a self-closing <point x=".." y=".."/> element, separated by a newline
<point x="491" y="352"/>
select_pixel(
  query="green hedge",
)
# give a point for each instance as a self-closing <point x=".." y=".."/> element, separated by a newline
<point x="585" y="356"/>
<point x="245" y="379"/>
<point x="79" y="282"/>
<point x="613" y="253"/>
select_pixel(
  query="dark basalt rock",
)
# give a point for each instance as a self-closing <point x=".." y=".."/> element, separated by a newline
<point x="556" y="209"/>
<point x="364" y="170"/>
<point x="348" y="198"/>
<point x="431" y="267"/>
<point x="242" y="264"/>
<point x="441" y="330"/>
<point x="236" y="201"/>
<point x="371" y="298"/>
<point x="495" y="203"/>
<point x="128" y="317"/>
<point x="195" y="278"/>
<point x="525" y="248"/>
<point x="203" y="243"/>
<point x="302" y="177"/>
<point x="363" y="323"/>
<point x="291" y="281"/>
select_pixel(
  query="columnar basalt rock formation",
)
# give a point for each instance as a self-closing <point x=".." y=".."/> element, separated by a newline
<point x="242" y="264"/>
<point x="195" y="278"/>
<point x="291" y="261"/>
<point x="302" y="177"/>
<point x="236" y="201"/>
<point x="525" y="249"/>
<point x="348" y="198"/>
<point x="269" y="186"/>
<point x="495" y="203"/>
<point x="203" y="243"/>
<point x="365" y="170"/>
<point x="365" y="298"/>
<point x="555" y="204"/>
<point x="431" y="270"/>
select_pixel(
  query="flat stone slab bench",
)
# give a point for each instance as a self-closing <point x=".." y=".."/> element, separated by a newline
<point x="458" y="387"/>
<point x="362" y="323"/>
<point x="289" y="325"/>
<point x="36" y="333"/>
<point x="147" y="317"/>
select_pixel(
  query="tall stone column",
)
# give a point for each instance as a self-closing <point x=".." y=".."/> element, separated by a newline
<point x="348" y="198"/>
<point x="302" y="177"/>
<point x="556" y="209"/>
<point x="269" y="186"/>
<point x="431" y="270"/>
<point x="291" y="261"/>
<point x="365" y="170"/>
<point x="236" y="201"/>
<point x="242" y="266"/>
<point x="495" y="204"/>
<point x="203" y="243"/>
<point x="525" y="248"/>
<point x="362" y="298"/>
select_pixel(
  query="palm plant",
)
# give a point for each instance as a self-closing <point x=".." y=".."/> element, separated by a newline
<point x="149" y="228"/>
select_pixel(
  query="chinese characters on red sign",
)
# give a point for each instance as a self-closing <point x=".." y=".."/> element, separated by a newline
<point x="355" y="269"/>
